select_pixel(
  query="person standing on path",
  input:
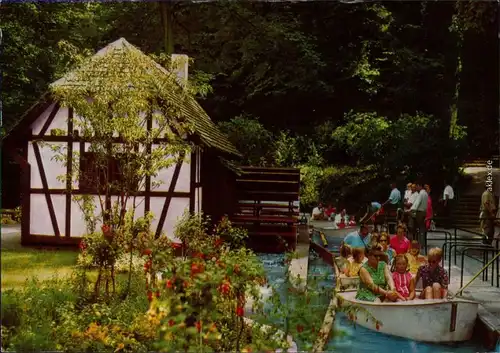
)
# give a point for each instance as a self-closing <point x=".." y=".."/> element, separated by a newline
<point x="487" y="215"/>
<point x="393" y="203"/>
<point x="448" y="201"/>
<point x="419" y="212"/>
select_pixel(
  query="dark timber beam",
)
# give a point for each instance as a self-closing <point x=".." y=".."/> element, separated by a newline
<point x="69" y="174"/>
<point x="45" y="185"/>
<point x="50" y="119"/>
<point x="147" y="186"/>
<point x="192" y="187"/>
<point x="168" y="199"/>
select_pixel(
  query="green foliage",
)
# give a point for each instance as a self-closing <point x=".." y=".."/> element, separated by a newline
<point x="250" y="137"/>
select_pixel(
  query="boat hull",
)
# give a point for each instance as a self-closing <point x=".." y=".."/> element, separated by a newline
<point x="433" y="321"/>
<point x="346" y="283"/>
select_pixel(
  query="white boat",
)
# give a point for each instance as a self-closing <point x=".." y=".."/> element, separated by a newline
<point x="430" y="320"/>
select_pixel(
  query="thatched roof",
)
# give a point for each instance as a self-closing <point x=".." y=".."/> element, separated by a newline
<point x="204" y="127"/>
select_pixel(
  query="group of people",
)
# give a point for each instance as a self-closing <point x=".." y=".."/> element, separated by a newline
<point x="389" y="267"/>
<point x="414" y="208"/>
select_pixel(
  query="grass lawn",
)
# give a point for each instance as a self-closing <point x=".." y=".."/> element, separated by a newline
<point x="19" y="265"/>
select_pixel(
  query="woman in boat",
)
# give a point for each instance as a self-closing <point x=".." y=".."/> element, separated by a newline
<point x="376" y="283"/>
<point x="399" y="242"/>
<point x="434" y="276"/>
<point x="384" y="243"/>
<point x="403" y="280"/>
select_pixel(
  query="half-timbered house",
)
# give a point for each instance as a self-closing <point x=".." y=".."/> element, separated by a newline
<point x="50" y="215"/>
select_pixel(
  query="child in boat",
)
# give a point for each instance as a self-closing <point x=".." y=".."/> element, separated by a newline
<point x="344" y="260"/>
<point x="416" y="260"/>
<point x="434" y="276"/>
<point x="403" y="280"/>
<point x="358" y="255"/>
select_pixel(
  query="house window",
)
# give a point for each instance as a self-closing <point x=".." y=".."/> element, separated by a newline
<point x="95" y="175"/>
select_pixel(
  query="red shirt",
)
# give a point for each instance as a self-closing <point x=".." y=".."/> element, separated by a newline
<point x="401" y="247"/>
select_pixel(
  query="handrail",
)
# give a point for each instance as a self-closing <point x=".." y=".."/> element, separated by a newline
<point x="467" y="231"/>
<point x="452" y="244"/>
<point x="496" y="257"/>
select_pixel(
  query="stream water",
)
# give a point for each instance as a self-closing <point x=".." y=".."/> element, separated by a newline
<point x="357" y="339"/>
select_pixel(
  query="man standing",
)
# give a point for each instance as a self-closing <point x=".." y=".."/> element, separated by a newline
<point x="447" y="200"/>
<point x="407" y="206"/>
<point x="408" y="192"/>
<point x="393" y="203"/>
<point x="419" y="211"/>
<point x="358" y="239"/>
<point x="487" y="215"/>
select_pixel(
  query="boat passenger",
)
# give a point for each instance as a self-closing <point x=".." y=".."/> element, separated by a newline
<point x="416" y="260"/>
<point x="375" y="238"/>
<point x="399" y="242"/>
<point x="358" y="255"/>
<point x="384" y="243"/>
<point x="358" y="239"/>
<point x="434" y="276"/>
<point x="318" y="212"/>
<point x="376" y="283"/>
<point x="330" y="210"/>
<point x="344" y="259"/>
<point x="403" y="280"/>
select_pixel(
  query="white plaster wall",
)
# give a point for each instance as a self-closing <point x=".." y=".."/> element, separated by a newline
<point x="165" y="177"/>
<point x="52" y="168"/>
<point x="139" y="211"/>
<point x="78" y="225"/>
<point x="176" y="210"/>
<point x="197" y="199"/>
<point x="60" y="120"/>
<point x="40" y="222"/>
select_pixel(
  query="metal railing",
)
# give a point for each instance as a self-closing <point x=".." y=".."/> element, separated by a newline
<point x="496" y="264"/>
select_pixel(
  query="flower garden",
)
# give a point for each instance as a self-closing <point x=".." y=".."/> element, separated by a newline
<point x="131" y="292"/>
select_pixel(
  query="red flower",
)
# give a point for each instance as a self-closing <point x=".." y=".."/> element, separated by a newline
<point x="105" y="228"/>
<point x="150" y="295"/>
<point x="146" y="252"/>
<point x="186" y="284"/>
<point x="176" y="245"/>
<point x="300" y="328"/>
<point x="157" y="294"/>
<point x="196" y="268"/>
<point x="198" y="325"/>
<point x="199" y="255"/>
<point x="147" y="266"/>
<point x="225" y="288"/>
<point x="240" y="311"/>
<point x="171" y="322"/>
<point x="82" y="245"/>
<point x="169" y="283"/>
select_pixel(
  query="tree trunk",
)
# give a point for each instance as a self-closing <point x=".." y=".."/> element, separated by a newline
<point x="166" y="10"/>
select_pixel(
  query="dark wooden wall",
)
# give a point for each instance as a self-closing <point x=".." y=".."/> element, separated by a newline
<point x="218" y="187"/>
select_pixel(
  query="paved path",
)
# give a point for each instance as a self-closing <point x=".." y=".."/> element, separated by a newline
<point x="10" y="236"/>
